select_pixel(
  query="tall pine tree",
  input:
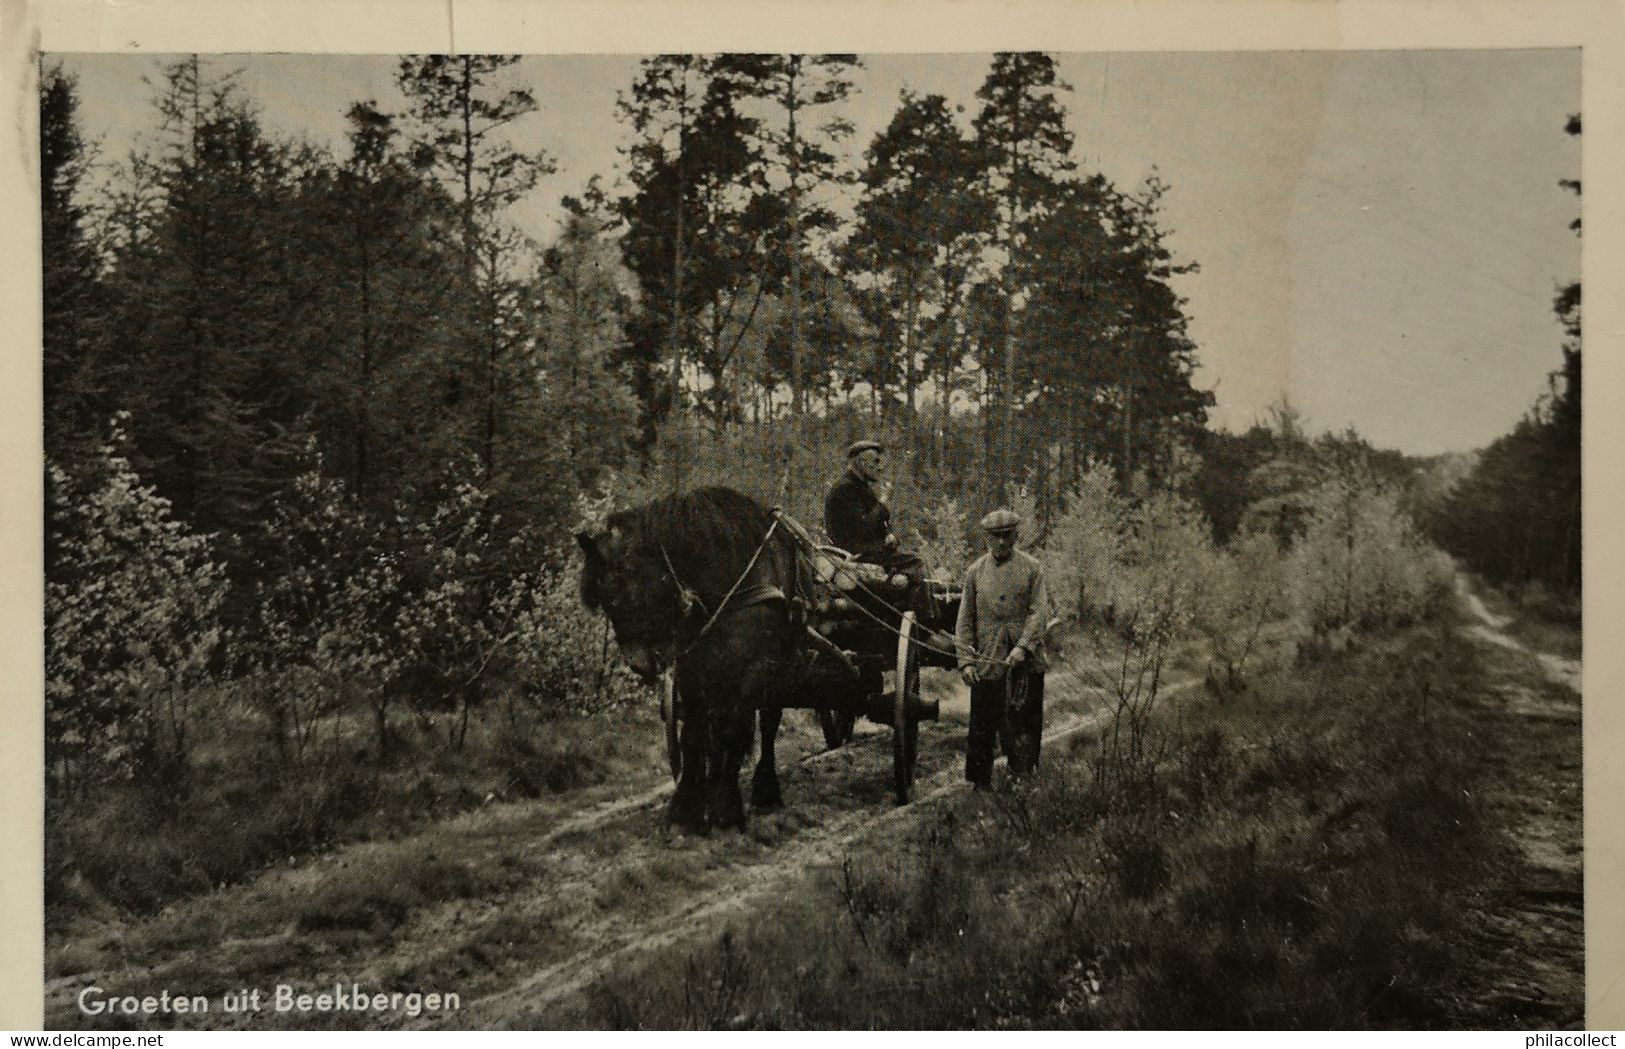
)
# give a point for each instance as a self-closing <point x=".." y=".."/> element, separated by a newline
<point x="1021" y="129"/>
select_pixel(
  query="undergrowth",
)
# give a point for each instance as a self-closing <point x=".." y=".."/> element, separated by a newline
<point x="135" y="848"/>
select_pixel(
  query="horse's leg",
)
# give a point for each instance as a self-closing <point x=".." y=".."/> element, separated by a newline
<point x="730" y="738"/>
<point x="687" y="807"/>
<point x="764" y="784"/>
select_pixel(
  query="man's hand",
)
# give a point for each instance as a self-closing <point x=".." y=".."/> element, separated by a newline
<point x="968" y="673"/>
<point x="1017" y="655"/>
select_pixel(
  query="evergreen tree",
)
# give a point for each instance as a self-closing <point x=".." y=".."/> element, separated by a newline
<point x="661" y="111"/>
<point x="915" y="231"/>
<point x="802" y="144"/>
<point x="80" y="382"/>
<point x="464" y="116"/>
<point x="374" y="228"/>
<point x="1021" y="130"/>
<point x="203" y="299"/>
<point x="1516" y="517"/>
<point x="701" y="288"/>
<point x="584" y="296"/>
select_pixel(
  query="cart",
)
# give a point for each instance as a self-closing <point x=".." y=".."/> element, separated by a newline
<point x="856" y="632"/>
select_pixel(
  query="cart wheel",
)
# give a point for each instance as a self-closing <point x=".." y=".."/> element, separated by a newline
<point x="837" y="727"/>
<point x="669" y="710"/>
<point x="905" y="729"/>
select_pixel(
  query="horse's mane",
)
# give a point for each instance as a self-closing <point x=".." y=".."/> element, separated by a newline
<point x="709" y="535"/>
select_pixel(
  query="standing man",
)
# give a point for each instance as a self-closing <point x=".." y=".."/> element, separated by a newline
<point x="857" y="518"/>
<point x="1003" y="615"/>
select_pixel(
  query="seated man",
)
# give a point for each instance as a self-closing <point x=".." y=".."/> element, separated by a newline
<point x="859" y="522"/>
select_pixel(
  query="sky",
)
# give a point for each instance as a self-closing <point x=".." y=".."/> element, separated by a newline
<point x="1379" y="233"/>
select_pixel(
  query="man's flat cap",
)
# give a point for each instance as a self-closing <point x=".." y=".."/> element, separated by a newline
<point x="859" y="447"/>
<point x="1001" y="521"/>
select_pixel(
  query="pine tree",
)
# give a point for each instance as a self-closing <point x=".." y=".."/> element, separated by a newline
<point x="203" y="300"/>
<point x="464" y="118"/>
<point x="916" y="222"/>
<point x="371" y="226"/>
<point x="1026" y="146"/>
<point x="80" y="381"/>
<point x="701" y="289"/>
<point x="802" y="145"/>
<point x="584" y="296"/>
<point x="661" y="111"/>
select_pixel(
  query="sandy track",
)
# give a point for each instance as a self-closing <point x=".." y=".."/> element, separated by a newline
<point x="529" y="1002"/>
<point x="1525" y="943"/>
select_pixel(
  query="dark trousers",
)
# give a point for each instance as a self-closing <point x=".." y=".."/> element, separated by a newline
<point x="907" y="563"/>
<point x="994" y="718"/>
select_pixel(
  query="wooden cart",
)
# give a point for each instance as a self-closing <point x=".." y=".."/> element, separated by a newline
<point x="858" y="633"/>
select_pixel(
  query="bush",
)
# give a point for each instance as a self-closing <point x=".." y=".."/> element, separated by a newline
<point x="1361" y="564"/>
<point x="564" y="657"/>
<point x="132" y="625"/>
<point x="323" y="637"/>
<point x="1140" y="566"/>
<point x="1242" y="596"/>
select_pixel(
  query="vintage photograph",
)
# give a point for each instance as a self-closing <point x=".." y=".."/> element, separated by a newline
<point x="996" y="540"/>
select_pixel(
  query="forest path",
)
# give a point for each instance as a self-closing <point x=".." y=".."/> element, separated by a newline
<point x="848" y="809"/>
<point x="1491" y="627"/>
<point x="1525" y="942"/>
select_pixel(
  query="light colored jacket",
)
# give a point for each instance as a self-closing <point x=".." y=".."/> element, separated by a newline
<point x="1003" y="606"/>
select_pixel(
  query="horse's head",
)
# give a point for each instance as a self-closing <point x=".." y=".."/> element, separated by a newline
<point x="638" y="595"/>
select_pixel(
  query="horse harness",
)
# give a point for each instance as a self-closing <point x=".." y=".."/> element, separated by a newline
<point x="735" y="600"/>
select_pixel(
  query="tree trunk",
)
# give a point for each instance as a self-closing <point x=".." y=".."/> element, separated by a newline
<point x="797" y="379"/>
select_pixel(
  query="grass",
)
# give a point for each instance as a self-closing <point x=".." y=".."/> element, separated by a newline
<point x="134" y="849"/>
<point x="1297" y="856"/>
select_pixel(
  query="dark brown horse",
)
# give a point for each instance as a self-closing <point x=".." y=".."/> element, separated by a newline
<point x="663" y="574"/>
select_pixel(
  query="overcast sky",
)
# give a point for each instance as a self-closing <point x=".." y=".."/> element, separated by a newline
<point x="1380" y="234"/>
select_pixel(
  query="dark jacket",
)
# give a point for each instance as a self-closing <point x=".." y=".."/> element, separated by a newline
<point x="855" y="518"/>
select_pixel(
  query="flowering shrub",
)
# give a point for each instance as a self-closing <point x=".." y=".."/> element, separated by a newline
<point x="132" y="624"/>
<point x="563" y="654"/>
<point x="1361" y="563"/>
<point x="463" y="600"/>
<point x="565" y="659"/>
<point x="1137" y="565"/>
<point x="323" y="636"/>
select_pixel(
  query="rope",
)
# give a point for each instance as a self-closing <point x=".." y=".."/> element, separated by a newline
<point x="800" y="535"/>
<point x="858" y="581"/>
<point x="740" y="581"/>
<point x="686" y="594"/>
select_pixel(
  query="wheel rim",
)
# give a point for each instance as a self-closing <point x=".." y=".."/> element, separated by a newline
<point x="905" y="730"/>
<point x="668" y="714"/>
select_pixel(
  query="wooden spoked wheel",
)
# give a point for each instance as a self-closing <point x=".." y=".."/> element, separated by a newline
<point x="905" y="702"/>
<point x="669" y="710"/>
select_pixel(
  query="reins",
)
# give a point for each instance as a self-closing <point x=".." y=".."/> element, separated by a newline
<point x="688" y="595"/>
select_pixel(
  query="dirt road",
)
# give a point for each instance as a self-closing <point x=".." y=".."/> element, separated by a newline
<point x="524" y="906"/>
<point x="1525" y="941"/>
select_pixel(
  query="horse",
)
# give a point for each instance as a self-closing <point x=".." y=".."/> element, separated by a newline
<point x="704" y="582"/>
